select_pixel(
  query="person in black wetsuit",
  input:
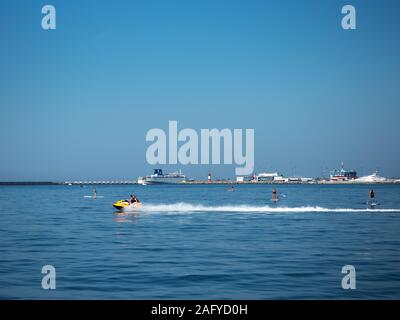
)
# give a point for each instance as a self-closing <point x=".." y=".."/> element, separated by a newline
<point x="372" y="196"/>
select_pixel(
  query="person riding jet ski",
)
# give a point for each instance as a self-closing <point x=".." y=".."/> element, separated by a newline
<point x="134" y="199"/>
<point x="132" y="203"/>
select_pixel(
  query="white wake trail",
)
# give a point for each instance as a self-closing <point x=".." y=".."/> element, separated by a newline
<point x="187" y="207"/>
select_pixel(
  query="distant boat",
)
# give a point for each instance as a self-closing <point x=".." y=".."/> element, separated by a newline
<point x="158" y="177"/>
<point x="343" y="175"/>
<point x="373" y="178"/>
<point x="269" y="177"/>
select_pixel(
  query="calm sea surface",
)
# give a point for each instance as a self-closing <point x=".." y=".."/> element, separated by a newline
<point x="200" y="242"/>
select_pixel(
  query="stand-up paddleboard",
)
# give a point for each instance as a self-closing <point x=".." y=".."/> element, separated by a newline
<point x="372" y="204"/>
<point x="93" y="197"/>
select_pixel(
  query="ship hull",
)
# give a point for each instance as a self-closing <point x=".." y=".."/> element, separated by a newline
<point x="163" y="181"/>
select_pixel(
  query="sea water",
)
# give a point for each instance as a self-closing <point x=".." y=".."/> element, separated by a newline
<point x="200" y="242"/>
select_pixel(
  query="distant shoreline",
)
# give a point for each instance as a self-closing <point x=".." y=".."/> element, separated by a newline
<point x="197" y="182"/>
<point x="29" y="183"/>
<point x="321" y="182"/>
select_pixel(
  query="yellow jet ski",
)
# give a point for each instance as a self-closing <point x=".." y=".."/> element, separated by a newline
<point x="125" y="204"/>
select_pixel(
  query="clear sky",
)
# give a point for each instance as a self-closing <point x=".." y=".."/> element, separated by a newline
<point x="76" y="102"/>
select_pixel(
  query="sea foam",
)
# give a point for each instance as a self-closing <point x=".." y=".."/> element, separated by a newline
<point x="190" y="208"/>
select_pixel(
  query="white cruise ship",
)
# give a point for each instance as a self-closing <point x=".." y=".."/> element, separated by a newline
<point x="158" y="177"/>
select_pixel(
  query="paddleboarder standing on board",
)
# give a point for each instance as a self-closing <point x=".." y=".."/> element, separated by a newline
<point x="372" y="196"/>
<point x="274" y="195"/>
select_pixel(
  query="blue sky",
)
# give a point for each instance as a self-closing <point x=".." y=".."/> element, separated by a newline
<point x="76" y="102"/>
